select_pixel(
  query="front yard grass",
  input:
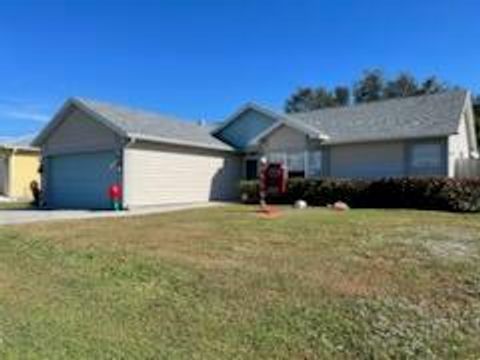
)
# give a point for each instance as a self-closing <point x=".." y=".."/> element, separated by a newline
<point x="15" y="205"/>
<point x="220" y="283"/>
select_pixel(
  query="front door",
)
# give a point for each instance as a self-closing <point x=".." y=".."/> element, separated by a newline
<point x="251" y="169"/>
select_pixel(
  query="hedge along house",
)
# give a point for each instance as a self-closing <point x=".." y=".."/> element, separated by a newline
<point x="19" y="166"/>
<point x="90" y="145"/>
<point x="415" y="136"/>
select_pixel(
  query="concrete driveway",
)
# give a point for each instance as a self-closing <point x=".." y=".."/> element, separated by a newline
<point x="23" y="216"/>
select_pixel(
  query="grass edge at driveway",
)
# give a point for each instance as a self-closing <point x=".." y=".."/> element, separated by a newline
<point x="221" y="283"/>
<point x="16" y="205"/>
<point x="17" y="215"/>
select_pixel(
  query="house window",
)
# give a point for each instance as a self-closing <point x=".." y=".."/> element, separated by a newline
<point x="296" y="164"/>
<point x="293" y="160"/>
<point x="315" y="163"/>
<point x="426" y="156"/>
<point x="276" y="158"/>
<point x="251" y="169"/>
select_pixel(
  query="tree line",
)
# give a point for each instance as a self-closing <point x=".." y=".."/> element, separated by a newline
<point x="373" y="85"/>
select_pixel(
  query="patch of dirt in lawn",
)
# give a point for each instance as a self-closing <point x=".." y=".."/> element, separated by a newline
<point x="449" y="249"/>
<point x="445" y="242"/>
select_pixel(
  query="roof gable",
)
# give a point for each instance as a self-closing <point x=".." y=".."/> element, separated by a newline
<point x="243" y="109"/>
<point x="62" y="115"/>
<point x="140" y="125"/>
<point x="244" y="125"/>
<point x="243" y="130"/>
<point x="289" y="123"/>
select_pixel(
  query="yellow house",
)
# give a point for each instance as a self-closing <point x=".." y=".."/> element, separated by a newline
<point x="19" y="166"/>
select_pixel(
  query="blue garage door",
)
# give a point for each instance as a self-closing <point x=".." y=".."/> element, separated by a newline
<point x="81" y="181"/>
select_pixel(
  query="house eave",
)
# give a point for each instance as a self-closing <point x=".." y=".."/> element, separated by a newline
<point x="387" y="139"/>
<point x="162" y="140"/>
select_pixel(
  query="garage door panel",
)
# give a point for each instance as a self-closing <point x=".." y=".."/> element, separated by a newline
<point x="160" y="177"/>
<point x="81" y="180"/>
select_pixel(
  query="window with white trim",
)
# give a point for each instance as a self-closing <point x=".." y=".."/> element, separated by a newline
<point x="315" y="163"/>
<point x="426" y="156"/>
<point x="293" y="160"/>
<point x="296" y="161"/>
<point x="276" y="158"/>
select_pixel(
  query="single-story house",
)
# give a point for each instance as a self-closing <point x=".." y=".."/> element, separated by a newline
<point x="19" y="166"/>
<point x="89" y="145"/>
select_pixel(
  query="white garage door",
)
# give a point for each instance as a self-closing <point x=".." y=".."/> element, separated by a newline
<point x="179" y="176"/>
<point x="81" y="181"/>
<point x="3" y="176"/>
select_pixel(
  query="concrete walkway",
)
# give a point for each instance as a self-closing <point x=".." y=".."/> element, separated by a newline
<point x="21" y="216"/>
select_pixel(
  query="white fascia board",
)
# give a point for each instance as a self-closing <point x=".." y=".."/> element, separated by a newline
<point x="169" y="141"/>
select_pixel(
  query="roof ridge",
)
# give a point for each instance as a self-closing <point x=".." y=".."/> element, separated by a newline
<point x="137" y="110"/>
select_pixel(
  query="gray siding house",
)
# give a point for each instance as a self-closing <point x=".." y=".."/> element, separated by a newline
<point x="158" y="160"/>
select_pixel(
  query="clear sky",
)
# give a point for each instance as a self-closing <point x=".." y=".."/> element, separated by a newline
<point x="202" y="59"/>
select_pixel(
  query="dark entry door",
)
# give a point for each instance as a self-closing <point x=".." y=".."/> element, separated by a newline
<point x="251" y="169"/>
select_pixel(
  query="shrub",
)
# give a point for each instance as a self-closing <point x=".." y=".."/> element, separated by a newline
<point x="432" y="193"/>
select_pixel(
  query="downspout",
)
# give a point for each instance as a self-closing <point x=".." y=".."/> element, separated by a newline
<point x="130" y="141"/>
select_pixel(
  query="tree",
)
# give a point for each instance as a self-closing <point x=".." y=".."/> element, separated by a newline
<point x="403" y="86"/>
<point x="308" y="99"/>
<point x="300" y="101"/>
<point x="342" y="95"/>
<point x="324" y="98"/>
<point x="370" y="87"/>
<point x="431" y="85"/>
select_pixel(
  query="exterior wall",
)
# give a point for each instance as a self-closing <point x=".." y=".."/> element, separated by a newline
<point x="369" y="160"/>
<point x="24" y="170"/>
<point x="79" y="133"/>
<point x="458" y="147"/>
<point x="383" y="159"/>
<point x="360" y="160"/>
<point x="159" y="174"/>
<point x="3" y="174"/>
<point x="246" y="127"/>
<point x="442" y="170"/>
<point x="285" y="138"/>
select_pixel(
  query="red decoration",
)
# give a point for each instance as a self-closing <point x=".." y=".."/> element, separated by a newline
<point x="115" y="192"/>
<point x="276" y="178"/>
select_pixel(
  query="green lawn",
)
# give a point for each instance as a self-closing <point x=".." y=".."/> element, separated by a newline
<point x="221" y="283"/>
<point x="15" y="205"/>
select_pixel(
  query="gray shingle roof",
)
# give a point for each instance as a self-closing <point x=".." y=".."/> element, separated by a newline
<point x="152" y="126"/>
<point x="413" y="117"/>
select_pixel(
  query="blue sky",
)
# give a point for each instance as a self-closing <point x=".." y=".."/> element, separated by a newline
<point x="202" y="59"/>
